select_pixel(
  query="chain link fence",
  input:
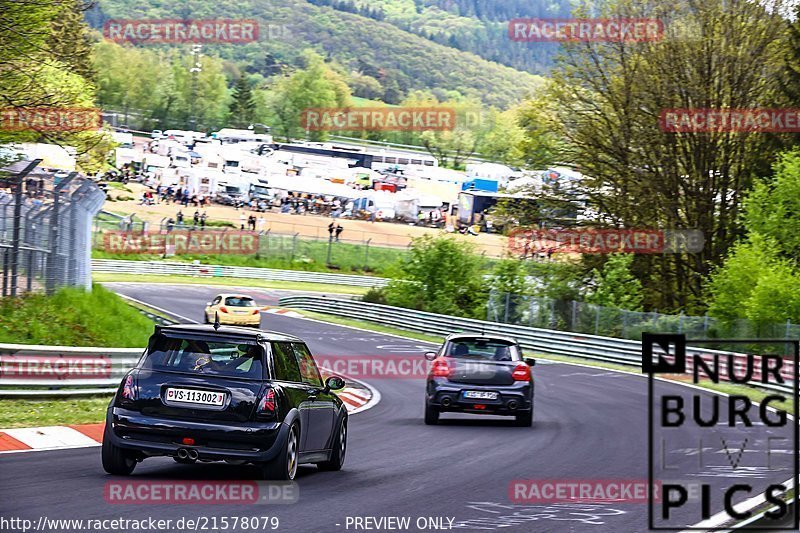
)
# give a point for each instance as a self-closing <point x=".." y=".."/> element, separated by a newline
<point x="591" y="319"/>
<point x="272" y="250"/>
<point x="45" y="228"/>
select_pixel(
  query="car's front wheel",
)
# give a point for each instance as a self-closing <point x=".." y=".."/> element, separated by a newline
<point x="431" y="415"/>
<point x="338" y="451"/>
<point x="116" y="461"/>
<point x="284" y="466"/>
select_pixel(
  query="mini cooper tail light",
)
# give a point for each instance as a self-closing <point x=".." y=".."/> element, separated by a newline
<point x="267" y="404"/>
<point x="256" y="311"/>
<point x="522" y="372"/>
<point x="128" y="388"/>
<point x="223" y="309"/>
<point x="440" y="369"/>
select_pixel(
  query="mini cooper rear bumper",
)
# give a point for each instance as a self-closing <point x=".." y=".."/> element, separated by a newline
<point x="152" y="436"/>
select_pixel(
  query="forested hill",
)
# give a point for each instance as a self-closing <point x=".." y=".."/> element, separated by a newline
<point x="399" y="60"/>
<point x="477" y="26"/>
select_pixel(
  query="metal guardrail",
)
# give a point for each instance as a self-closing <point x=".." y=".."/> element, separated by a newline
<point x="166" y="268"/>
<point x="32" y="371"/>
<point x="543" y="341"/>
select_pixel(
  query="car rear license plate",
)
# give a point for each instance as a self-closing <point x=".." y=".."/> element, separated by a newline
<point x="480" y="395"/>
<point x="195" y="396"/>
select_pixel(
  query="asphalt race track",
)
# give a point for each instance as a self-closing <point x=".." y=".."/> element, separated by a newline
<point x="589" y="424"/>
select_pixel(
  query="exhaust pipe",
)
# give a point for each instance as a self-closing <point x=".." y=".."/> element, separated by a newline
<point x="512" y="405"/>
<point x="183" y="453"/>
<point x="193" y="455"/>
<point x="446" y="401"/>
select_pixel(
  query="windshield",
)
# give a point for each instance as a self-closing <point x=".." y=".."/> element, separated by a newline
<point x="240" y="301"/>
<point x="490" y="349"/>
<point x="197" y="356"/>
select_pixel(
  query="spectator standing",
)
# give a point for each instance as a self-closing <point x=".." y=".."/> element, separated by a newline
<point x="196" y="217"/>
<point x="339" y="230"/>
<point x="241" y="221"/>
<point x="179" y="217"/>
<point x="262" y="222"/>
<point x="203" y="220"/>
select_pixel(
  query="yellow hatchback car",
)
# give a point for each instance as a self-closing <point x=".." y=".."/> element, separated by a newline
<point x="233" y="310"/>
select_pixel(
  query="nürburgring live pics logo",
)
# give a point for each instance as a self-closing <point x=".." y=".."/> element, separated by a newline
<point x="711" y="452"/>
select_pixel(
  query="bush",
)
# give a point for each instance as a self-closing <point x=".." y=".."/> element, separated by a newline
<point x="374" y="296"/>
<point x="440" y="275"/>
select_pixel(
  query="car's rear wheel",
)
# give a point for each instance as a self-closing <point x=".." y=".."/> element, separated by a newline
<point x="116" y="461"/>
<point x="339" y="450"/>
<point x="525" y="419"/>
<point x="431" y="415"/>
<point x="284" y="466"/>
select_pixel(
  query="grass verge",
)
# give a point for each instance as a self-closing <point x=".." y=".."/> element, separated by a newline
<point x="237" y="282"/>
<point x="73" y="317"/>
<point x="285" y="252"/>
<point x="58" y="412"/>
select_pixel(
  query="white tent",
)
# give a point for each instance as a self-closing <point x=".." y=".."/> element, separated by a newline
<point x="311" y="185"/>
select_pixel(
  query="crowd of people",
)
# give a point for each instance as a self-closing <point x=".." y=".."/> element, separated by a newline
<point x="177" y="195"/>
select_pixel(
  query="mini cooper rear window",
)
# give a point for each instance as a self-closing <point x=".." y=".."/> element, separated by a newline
<point x="205" y="357"/>
<point x="491" y="349"/>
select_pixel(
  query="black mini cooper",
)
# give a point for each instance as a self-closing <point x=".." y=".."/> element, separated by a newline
<point x="479" y="374"/>
<point x="201" y="393"/>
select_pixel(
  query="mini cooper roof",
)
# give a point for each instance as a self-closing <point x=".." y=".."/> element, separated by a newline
<point x="229" y="332"/>
<point x="490" y="336"/>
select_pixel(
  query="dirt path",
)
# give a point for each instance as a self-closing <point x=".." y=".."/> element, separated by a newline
<point x="308" y="226"/>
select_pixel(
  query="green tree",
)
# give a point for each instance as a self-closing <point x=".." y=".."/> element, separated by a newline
<point x="315" y="86"/>
<point x="610" y="97"/>
<point x="69" y="39"/>
<point x="243" y="106"/>
<point x="615" y="285"/>
<point x="772" y="208"/>
<point x="440" y="275"/>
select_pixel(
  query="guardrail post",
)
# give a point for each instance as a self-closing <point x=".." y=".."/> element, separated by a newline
<point x="596" y="319"/>
<point x="574" y="325"/>
<point x="5" y="272"/>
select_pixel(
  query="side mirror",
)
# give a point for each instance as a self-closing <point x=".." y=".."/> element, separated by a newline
<point x="430" y="356"/>
<point x="334" y="383"/>
<point x="530" y="361"/>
